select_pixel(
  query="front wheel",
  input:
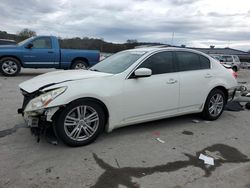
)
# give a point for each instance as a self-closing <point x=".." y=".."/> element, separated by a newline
<point x="214" y="105"/>
<point x="80" y="123"/>
<point x="9" y="66"/>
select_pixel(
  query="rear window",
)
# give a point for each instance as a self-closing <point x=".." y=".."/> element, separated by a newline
<point x="227" y="58"/>
<point x="191" y="61"/>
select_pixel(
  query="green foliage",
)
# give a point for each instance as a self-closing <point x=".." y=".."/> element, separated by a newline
<point x="26" y="33"/>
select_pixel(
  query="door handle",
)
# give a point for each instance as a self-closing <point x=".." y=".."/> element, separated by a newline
<point x="171" y="81"/>
<point x="50" y="52"/>
<point x="208" y="76"/>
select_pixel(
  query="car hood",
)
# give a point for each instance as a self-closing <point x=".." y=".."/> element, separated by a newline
<point x="56" y="77"/>
<point x="8" y="46"/>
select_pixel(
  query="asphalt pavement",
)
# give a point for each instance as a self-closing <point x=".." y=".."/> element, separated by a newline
<point x="157" y="154"/>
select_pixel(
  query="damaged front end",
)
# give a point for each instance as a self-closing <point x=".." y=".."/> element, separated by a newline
<point x="242" y="94"/>
<point x="37" y="113"/>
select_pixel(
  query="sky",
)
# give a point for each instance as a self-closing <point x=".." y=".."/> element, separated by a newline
<point x="196" y="23"/>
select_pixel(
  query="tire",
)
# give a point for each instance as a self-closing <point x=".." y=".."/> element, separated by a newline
<point x="74" y="127"/>
<point x="10" y="66"/>
<point x="235" y="69"/>
<point x="210" y="113"/>
<point x="79" y="64"/>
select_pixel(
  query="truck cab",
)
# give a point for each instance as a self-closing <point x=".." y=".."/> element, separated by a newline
<point x="44" y="52"/>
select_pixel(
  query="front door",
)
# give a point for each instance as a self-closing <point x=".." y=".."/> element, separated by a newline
<point x="41" y="55"/>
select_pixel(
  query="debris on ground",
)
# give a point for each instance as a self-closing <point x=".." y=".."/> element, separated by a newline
<point x="234" y="106"/>
<point x="156" y="133"/>
<point x="160" y="140"/>
<point x="207" y="160"/>
<point x="207" y="121"/>
<point x="215" y="155"/>
<point x="195" y="121"/>
<point x="247" y="105"/>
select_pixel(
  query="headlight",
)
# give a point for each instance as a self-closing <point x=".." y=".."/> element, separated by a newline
<point x="43" y="100"/>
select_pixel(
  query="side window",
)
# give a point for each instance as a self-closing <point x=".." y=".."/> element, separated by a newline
<point x="236" y="59"/>
<point x="159" y="63"/>
<point x="228" y="58"/>
<point x="42" y="43"/>
<point x="190" y="61"/>
<point x="204" y="62"/>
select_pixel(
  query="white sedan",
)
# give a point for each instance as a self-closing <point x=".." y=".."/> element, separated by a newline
<point x="130" y="87"/>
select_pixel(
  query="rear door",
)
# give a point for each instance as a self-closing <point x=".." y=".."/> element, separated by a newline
<point x="149" y="98"/>
<point x="194" y="74"/>
<point x="41" y="55"/>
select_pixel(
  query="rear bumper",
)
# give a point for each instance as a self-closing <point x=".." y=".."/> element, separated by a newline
<point x="232" y="92"/>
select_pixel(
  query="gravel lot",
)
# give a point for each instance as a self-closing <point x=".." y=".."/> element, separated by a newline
<point x="127" y="157"/>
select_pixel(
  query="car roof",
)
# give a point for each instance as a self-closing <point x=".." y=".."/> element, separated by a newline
<point x="156" y="49"/>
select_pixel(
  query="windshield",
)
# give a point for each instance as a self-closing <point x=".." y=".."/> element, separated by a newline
<point x="23" y="42"/>
<point x="118" y="63"/>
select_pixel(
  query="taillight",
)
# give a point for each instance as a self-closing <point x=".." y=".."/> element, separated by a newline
<point x="235" y="75"/>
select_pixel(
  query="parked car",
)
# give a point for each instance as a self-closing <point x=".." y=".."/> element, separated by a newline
<point x="7" y="42"/>
<point x="129" y="87"/>
<point x="217" y="57"/>
<point x="245" y="65"/>
<point x="43" y="52"/>
<point x="232" y="60"/>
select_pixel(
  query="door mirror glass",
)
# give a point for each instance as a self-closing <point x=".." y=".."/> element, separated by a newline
<point x="30" y="45"/>
<point x="143" y="72"/>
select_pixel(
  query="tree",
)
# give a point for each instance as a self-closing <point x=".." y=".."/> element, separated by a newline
<point x="26" y="33"/>
<point x="132" y="41"/>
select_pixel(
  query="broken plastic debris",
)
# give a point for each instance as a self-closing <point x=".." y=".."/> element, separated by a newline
<point x="207" y="121"/>
<point x="195" y="121"/>
<point x="206" y="159"/>
<point x="216" y="155"/>
<point x="160" y="140"/>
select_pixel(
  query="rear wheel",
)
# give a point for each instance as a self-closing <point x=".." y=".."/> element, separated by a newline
<point x="80" y="123"/>
<point x="235" y="69"/>
<point x="79" y="64"/>
<point x="10" y="66"/>
<point x="214" y="105"/>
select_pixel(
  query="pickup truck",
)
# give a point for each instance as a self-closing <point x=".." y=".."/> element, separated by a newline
<point x="43" y="52"/>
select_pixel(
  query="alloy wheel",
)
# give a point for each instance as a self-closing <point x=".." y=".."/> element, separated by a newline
<point x="81" y="123"/>
<point x="216" y="104"/>
<point x="9" y="67"/>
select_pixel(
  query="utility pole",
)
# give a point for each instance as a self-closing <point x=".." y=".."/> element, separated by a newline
<point x="172" y="43"/>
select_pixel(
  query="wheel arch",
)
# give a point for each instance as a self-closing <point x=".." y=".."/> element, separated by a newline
<point x="80" y="58"/>
<point x="101" y="103"/>
<point x="223" y="89"/>
<point x="12" y="56"/>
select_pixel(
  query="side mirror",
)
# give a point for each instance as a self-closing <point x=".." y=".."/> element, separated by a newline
<point x="30" y="45"/>
<point x="143" y="72"/>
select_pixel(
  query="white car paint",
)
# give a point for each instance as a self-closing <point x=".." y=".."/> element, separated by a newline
<point x="131" y="101"/>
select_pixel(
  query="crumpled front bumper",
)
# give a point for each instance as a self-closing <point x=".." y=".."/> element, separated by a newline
<point x="35" y="118"/>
